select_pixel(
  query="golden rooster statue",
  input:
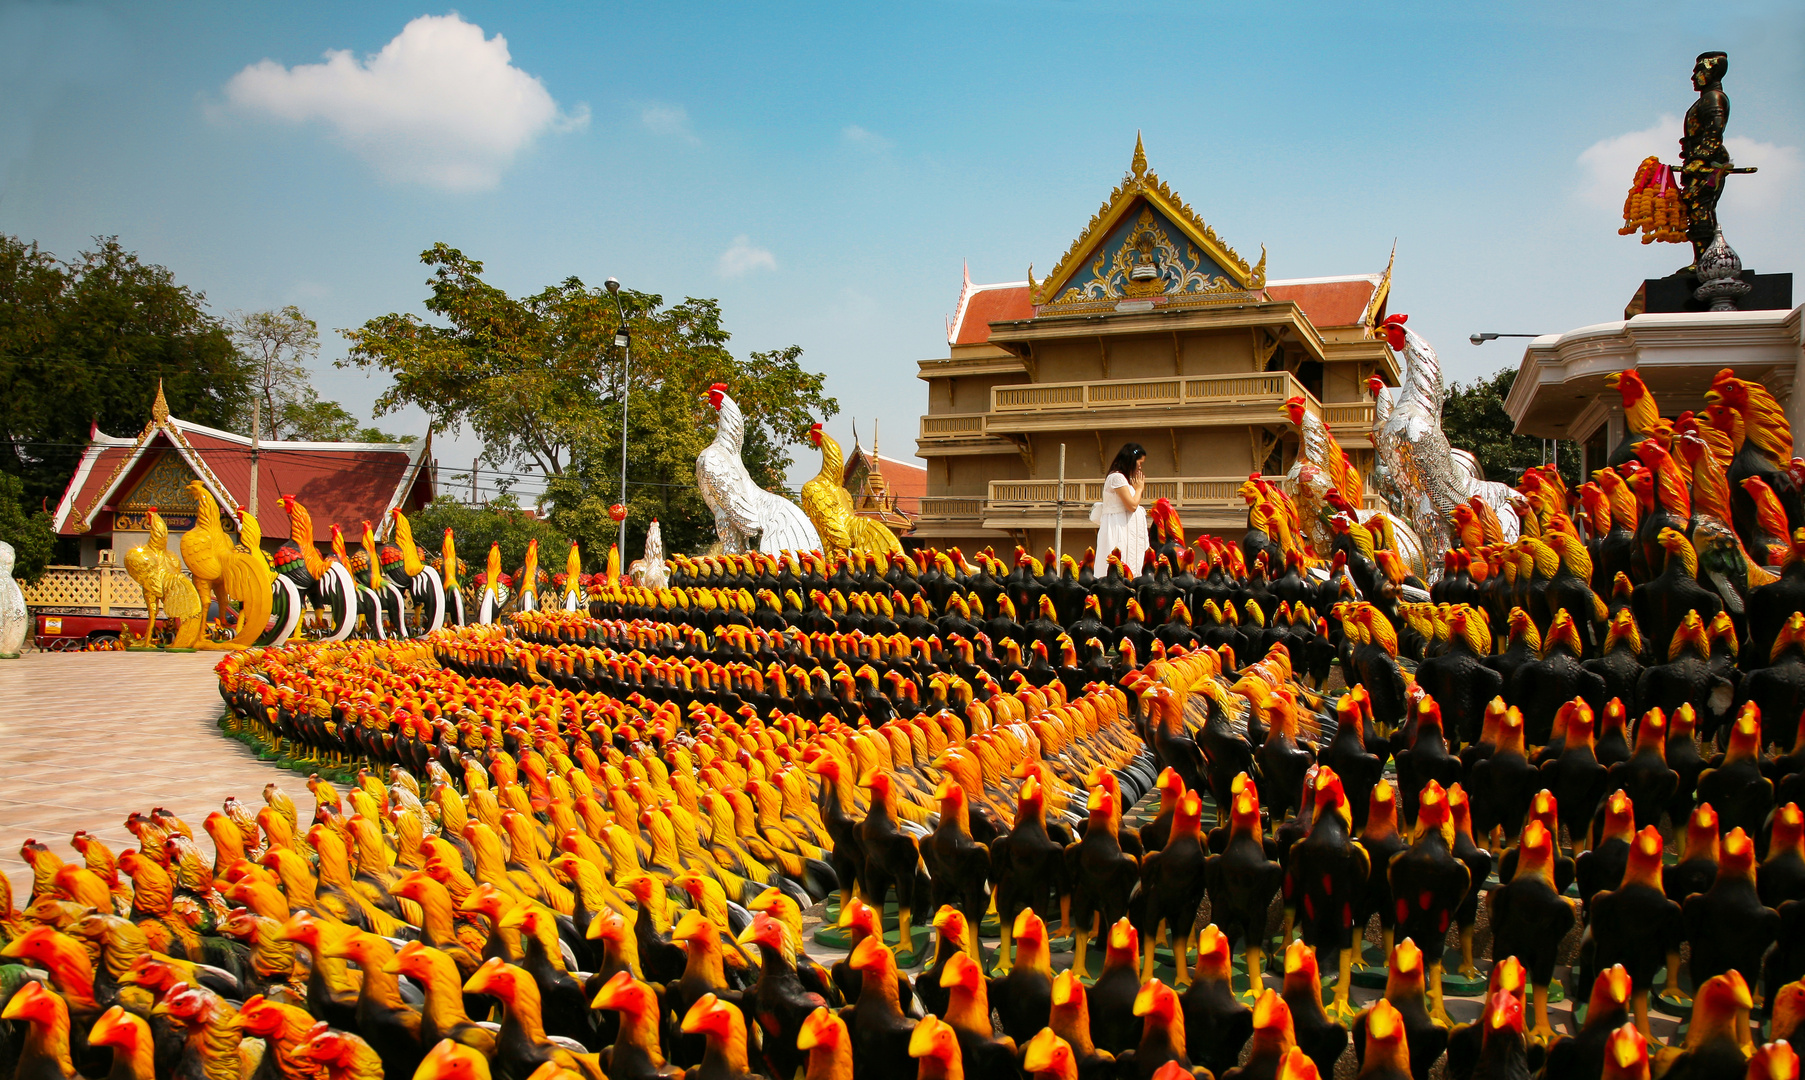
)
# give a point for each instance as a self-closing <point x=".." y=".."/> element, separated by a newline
<point x="242" y="576"/>
<point x="159" y="574"/>
<point x="829" y="505"/>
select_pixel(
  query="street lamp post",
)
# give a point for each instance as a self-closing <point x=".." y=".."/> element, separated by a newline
<point x="1481" y="339"/>
<point x="622" y="341"/>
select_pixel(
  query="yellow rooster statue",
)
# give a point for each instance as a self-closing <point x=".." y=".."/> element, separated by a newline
<point x="242" y="576"/>
<point x="829" y="505"/>
<point x="573" y="578"/>
<point x="159" y="574"/>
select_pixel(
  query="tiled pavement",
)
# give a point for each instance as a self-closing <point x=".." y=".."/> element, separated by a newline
<point x="87" y="738"/>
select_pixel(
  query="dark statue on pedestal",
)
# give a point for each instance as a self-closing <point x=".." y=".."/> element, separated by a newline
<point x="1705" y="160"/>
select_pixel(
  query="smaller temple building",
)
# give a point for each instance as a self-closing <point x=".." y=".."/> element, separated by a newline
<point x="119" y="479"/>
<point x="884" y="489"/>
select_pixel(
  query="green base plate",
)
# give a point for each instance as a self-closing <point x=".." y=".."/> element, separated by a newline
<point x="1455" y="985"/>
<point x="1672" y="1006"/>
<point x="9" y="656"/>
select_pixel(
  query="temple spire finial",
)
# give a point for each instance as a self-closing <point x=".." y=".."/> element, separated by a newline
<point x="1139" y="165"/>
<point x="159" y="409"/>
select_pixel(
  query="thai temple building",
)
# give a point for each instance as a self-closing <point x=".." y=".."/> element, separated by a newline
<point x="1150" y="329"/>
<point x="119" y="479"/>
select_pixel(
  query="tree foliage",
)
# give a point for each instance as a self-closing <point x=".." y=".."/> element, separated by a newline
<point x="29" y="532"/>
<point x="278" y="345"/>
<point x="84" y="342"/>
<point x="503" y="520"/>
<point x="539" y="380"/>
<point x="1473" y="416"/>
<point x="311" y="418"/>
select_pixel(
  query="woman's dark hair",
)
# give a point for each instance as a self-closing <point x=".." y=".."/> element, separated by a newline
<point x="1126" y="457"/>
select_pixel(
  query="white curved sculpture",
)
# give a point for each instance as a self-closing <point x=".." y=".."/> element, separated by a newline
<point x="741" y="508"/>
<point x="13" y="619"/>
<point x="649" y="572"/>
<point x="1427" y="477"/>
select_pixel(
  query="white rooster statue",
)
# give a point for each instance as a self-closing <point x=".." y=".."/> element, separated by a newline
<point x="741" y="508"/>
<point x="1425" y="477"/>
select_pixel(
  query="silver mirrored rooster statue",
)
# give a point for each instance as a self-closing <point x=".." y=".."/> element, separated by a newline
<point x="742" y="509"/>
<point x="1423" y="477"/>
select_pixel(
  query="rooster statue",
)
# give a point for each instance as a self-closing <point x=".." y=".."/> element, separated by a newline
<point x="650" y="572"/>
<point x="424" y="585"/>
<point x="741" y="508"/>
<point x="325" y="583"/>
<point x="829" y="505"/>
<point x="160" y="576"/>
<point x="1428" y="479"/>
<point x="450" y="581"/>
<point x="1327" y="483"/>
<point x="219" y="566"/>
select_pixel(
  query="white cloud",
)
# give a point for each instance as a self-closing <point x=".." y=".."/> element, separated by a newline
<point x="672" y="120"/>
<point x="1609" y="165"/>
<point x="439" y="105"/>
<point x="742" y="258"/>
<point x="870" y="140"/>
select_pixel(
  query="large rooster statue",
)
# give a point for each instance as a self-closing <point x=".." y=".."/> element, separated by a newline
<point x="829" y="505"/>
<point x="741" y="508"/>
<point x="219" y="566"/>
<point x="1427" y="477"/>
<point x="327" y="584"/>
<point x="1325" y="483"/>
<point x="158" y="573"/>
<point x="424" y="585"/>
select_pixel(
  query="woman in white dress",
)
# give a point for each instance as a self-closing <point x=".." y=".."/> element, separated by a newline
<point x="1120" y="519"/>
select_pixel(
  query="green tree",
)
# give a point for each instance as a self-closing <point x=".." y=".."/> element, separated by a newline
<point x="311" y="418"/>
<point x="279" y="345"/>
<point x="538" y="379"/>
<point x="1473" y="416"/>
<point x="31" y="534"/>
<point x="84" y="343"/>
<point x="503" y="520"/>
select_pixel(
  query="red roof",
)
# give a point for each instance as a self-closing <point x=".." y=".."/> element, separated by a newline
<point x="981" y="305"/>
<point x="908" y="482"/>
<point x="338" y="483"/>
<point x="1340" y="301"/>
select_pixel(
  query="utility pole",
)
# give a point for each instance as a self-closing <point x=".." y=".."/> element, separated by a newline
<point x="621" y="341"/>
<point x="1059" y="515"/>
<point x="473" y="463"/>
<point x="256" y="431"/>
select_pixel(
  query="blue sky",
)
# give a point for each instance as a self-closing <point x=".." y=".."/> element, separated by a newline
<point x="823" y="169"/>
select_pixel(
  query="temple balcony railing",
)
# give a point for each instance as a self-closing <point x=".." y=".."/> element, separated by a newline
<point x="959" y="433"/>
<point x="1351" y="422"/>
<point x="1182" y="401"/>
<point x="1204" y="502"/>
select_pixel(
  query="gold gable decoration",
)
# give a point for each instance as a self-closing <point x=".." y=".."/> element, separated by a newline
<point x="81" y="519"/>
<point x="1380" y="291"/>
<point x="1145" y="184"/>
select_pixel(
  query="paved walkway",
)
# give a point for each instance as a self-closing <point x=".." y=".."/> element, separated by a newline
<point x="87" y="738"/>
